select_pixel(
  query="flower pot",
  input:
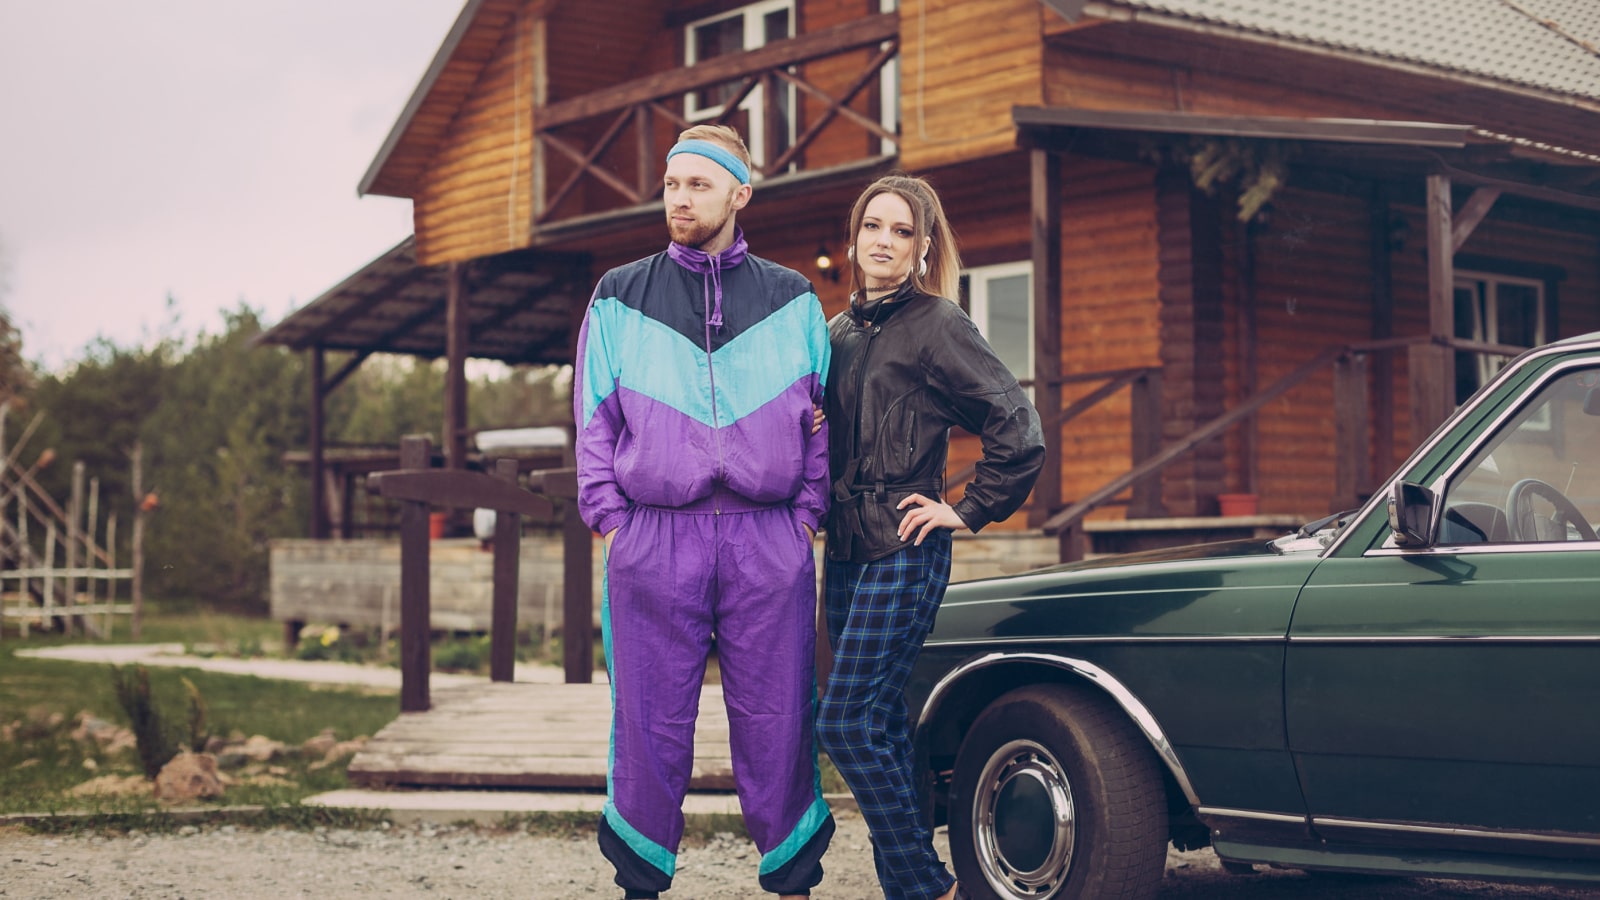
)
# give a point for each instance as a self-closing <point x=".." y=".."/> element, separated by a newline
<point x="1237" y="504"/>
<point x="436" y="522"/>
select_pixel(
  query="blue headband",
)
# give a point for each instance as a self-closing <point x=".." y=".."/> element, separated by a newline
<point x="716" y="153"/>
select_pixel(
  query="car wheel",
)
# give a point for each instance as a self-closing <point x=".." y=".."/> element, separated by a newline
<point x="1056" y="795"/>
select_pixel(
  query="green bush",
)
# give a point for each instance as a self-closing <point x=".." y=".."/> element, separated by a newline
<point x="152" y="733"/>
<point x="458" y="654"/>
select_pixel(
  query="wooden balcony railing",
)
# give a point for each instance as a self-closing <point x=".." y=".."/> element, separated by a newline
<point x="637" y="105"/>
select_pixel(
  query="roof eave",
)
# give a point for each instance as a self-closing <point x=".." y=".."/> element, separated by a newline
<point x="397" y="134"/>
<point x="1110" y="11"/>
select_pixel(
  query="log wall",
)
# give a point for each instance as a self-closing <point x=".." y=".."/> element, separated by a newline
<point x="1313" y="290"/>
<point x="474" y="199"/>
<point x="964" y="64"/>
<point x="1111" y="310"/>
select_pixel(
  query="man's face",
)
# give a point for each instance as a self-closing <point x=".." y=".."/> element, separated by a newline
<point x="701" y="198"/>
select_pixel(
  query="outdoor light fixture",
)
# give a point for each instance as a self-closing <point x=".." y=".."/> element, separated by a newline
<point x="825" y="266"/>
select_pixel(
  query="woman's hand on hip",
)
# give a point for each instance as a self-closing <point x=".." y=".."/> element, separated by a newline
<point x="928" y="515"/>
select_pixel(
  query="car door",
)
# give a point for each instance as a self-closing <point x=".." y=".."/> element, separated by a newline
<point x="1453" y="690"/>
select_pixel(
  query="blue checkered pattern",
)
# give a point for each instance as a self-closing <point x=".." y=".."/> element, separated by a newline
<point x="879" y="613"/>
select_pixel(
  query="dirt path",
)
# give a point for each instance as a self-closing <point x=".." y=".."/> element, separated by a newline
<point x="448" y="862"/>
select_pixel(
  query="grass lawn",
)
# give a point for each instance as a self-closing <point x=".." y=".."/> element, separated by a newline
<point x="41" y="760"/>
<point x="41" y="701"/>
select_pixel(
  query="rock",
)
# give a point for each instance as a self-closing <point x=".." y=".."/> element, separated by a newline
<point x="261" y="749"/>
<point x="340" y="751"/>
<point x="110" y="737"/>
<point x="189" y="776"/>
<point x="112" y="786"/>
<point x="319" y="745"/>
<point x="257" y="748"/>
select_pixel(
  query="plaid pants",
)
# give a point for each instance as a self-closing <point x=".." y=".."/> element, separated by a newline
<point x="879" y="613"/>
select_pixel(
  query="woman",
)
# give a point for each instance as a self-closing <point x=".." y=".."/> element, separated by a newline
<point x="907" y="364"/>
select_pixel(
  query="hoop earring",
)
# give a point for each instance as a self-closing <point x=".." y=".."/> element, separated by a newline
<point x="922" y="268"/>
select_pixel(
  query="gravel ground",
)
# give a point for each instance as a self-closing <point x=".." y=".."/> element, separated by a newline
<point x="450" y="862"/>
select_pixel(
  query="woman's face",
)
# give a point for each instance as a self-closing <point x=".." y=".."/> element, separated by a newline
<point x="884" y="244"/>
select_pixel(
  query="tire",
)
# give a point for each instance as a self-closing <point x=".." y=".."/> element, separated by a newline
<point x="1056" y="795"/>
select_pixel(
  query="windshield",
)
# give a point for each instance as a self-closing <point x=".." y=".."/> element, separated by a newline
<point x="1537" y="479"/>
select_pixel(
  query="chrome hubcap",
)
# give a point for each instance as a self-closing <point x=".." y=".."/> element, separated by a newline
<point x="1023" y="821"/>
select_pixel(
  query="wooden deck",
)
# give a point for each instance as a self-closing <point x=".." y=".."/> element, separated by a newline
<point x="523" y="735"/>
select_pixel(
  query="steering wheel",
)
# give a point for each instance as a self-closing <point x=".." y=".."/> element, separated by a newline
<point x="1524" y="525"/>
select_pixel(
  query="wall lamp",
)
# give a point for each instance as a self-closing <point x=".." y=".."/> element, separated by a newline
<point x="825" y="264"/>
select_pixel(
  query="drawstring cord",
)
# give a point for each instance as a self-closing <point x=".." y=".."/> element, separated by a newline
<point x="710" y="267"/>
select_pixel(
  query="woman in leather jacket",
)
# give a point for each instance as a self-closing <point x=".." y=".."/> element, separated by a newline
<point x="907" y="364"/>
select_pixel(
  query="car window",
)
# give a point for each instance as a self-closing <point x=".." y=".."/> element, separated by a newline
<point x="1538" y="477"/>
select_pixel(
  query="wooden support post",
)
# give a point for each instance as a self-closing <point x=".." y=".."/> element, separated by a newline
<point x="455" y="380"/>
<point x="1146" y="502"/>
<point x="1352" y="469"/>
<point x="1074" y="542"/>
<point x="319" y="497"/>
<point x="1432" y="381"/>
<point x="1247" y="340"/>
<point x="507" y="553"/>
<point x="1045" y="201"/>
<point x="577" y="583"/>
<point x="74" y="539"/>
<point x="136" y="627"/>
<point x="1382" y="365"/>
<point x="415" y="654"/>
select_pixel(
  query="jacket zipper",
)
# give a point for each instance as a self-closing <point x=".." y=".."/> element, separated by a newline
<point x="711" y="375"/>
<point x="861" y="389"/>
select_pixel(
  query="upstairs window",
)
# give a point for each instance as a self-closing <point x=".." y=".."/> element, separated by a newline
<point x="724" y="34"/>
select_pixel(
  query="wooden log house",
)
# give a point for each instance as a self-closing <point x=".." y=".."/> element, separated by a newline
<point x="1254" y="248"/>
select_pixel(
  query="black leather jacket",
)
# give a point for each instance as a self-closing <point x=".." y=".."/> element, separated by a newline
<point x="903" y="371"/>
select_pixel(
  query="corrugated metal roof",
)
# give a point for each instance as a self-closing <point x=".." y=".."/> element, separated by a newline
<point x="1548" y="45"/>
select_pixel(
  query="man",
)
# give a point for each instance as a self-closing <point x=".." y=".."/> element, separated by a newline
<point x="697" y="373"/>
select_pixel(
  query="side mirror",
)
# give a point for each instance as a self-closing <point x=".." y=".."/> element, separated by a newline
<point x="1411" y="509"/>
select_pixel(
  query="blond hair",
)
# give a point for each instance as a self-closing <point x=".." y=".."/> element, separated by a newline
<point x="719" y="134"/>
<point x="943" y="275"/>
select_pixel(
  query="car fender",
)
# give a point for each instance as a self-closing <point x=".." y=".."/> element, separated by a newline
<point x="1082" y="670"/>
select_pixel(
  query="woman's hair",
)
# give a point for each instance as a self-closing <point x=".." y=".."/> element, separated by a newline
<point x="927" y="221"/>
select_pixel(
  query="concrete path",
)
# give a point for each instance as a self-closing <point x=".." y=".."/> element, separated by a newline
<point x="317" y="672"/>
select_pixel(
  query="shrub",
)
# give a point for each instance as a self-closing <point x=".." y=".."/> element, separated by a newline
<point x="151" y="731"/>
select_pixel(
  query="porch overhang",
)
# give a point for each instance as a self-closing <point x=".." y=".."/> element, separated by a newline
<point x="1468" y="154"/>
<point x="1425" y="159"/>
<point x="520" y="311"/>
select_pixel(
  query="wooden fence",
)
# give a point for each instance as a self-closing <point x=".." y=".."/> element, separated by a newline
<point x="58" y="565"/>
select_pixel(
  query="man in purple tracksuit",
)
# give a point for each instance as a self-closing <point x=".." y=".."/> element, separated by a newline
<point x="696" y="376"/>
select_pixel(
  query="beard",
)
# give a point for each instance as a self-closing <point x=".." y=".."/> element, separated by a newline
<point x="702" y="230"/>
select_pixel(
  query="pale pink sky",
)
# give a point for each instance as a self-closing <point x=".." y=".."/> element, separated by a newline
<point x="205" y="150"/>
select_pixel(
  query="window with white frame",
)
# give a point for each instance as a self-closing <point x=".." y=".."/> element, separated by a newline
<point x="889" y="92"/>
<point x="1494" y="309"/>
<point x="742" y="29"/>
<point x="1000" y="301"/>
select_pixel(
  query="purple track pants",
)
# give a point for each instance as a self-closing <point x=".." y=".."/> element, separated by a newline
<point x="674" y="580"/>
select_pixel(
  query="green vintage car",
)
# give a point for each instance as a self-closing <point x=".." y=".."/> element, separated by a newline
<point x="1409" y="688"/>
